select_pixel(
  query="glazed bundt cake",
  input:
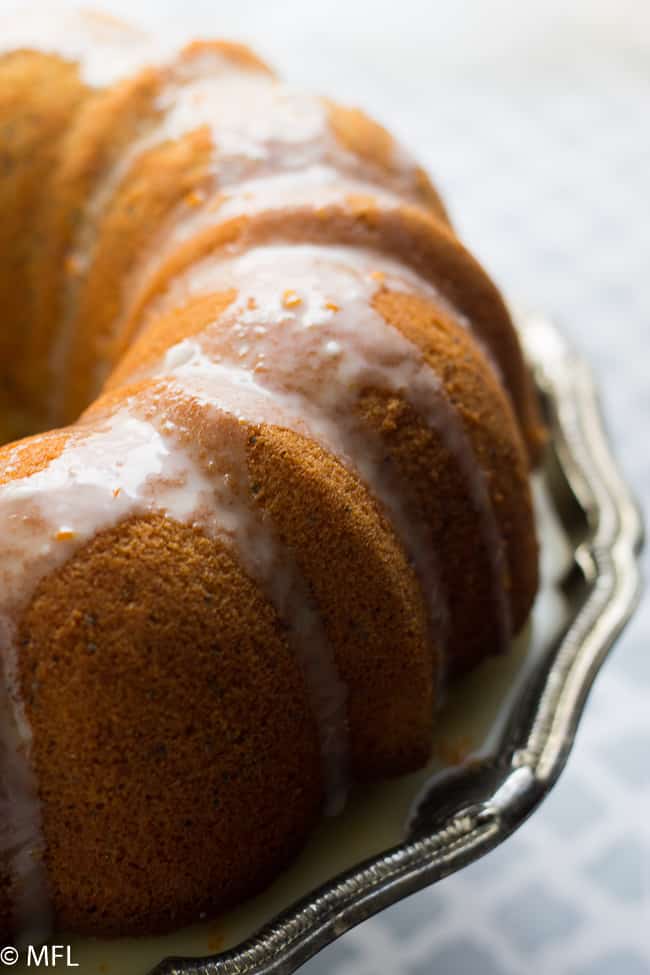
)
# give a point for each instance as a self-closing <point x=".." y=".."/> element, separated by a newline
<point x="283" y="493"/>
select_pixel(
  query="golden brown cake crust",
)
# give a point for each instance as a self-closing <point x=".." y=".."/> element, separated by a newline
<point x="217" y="803"/>
<point x="487" y="419"/>
<point x="180" y="745"/>
<point x="105" y="127"/>
<point x="39" y="96"/>
<point x="371" y="141"/>
<point x="324" y="515"/>
<point x="164" y="177"/>
<point x="437" y="485"/>
<point x="420" y="241"/>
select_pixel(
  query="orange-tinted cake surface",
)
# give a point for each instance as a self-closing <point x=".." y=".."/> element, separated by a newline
<point x="284" y="493"/>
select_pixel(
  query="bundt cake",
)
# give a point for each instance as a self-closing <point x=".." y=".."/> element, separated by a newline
<point x="282" y="493"/>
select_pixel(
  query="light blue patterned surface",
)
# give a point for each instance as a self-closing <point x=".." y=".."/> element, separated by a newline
<point x="535" y="120"/>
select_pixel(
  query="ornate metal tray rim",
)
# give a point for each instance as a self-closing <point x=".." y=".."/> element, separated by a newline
<point x="468" y="813"/>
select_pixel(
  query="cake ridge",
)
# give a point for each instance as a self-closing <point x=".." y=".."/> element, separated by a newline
<point x="259" y="131"/>
<point x="376" y="221"/>
<point x="275" y="334"/>
<point x="233" y="583"/>
<point x="105" y="48"/>
<point x="167" y="84"/>
<point x="209" y="495"/>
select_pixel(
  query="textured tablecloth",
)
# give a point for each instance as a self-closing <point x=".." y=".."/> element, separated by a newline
<point x="534" y="118"/>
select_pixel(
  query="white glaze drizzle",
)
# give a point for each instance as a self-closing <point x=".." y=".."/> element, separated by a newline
<point x="135" y="463"/>
<point x="304" y="328"/>
<point x="49" y="515"/>
<point x="180" y="111"/>
<point x="270" y="563"/>
<point x="260" y="129"/>
<point x="106" y="49"/>
<point x="44" y="518"/>
<point x="315" y="188"/>
<point x="179" y="95"/>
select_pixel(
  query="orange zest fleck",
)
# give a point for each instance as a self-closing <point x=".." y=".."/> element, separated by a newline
<point x="332" y="306"/>
<point x="194" y="198"/>
<point x="65" y="535"/>
<point x="290" y="299"/>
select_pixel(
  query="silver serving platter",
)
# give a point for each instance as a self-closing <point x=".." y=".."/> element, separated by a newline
<point x="462" y="814"/>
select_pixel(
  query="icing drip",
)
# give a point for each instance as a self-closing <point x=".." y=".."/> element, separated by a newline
<point x="105" y="49"/>
<point x="21" y="840"/>
<point x="314" y="188"/>
<point x="266" y="559"/>
<point x="299" y="347"/>
<point x="182" y="109"/>
<point x="141" y="461"/>
<point x="316" y="347"/>
<point x="259" y="128"/>
<point x="97" y="480"/>
<point x="267" y="137"/>
<point x="181" y="96"/>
